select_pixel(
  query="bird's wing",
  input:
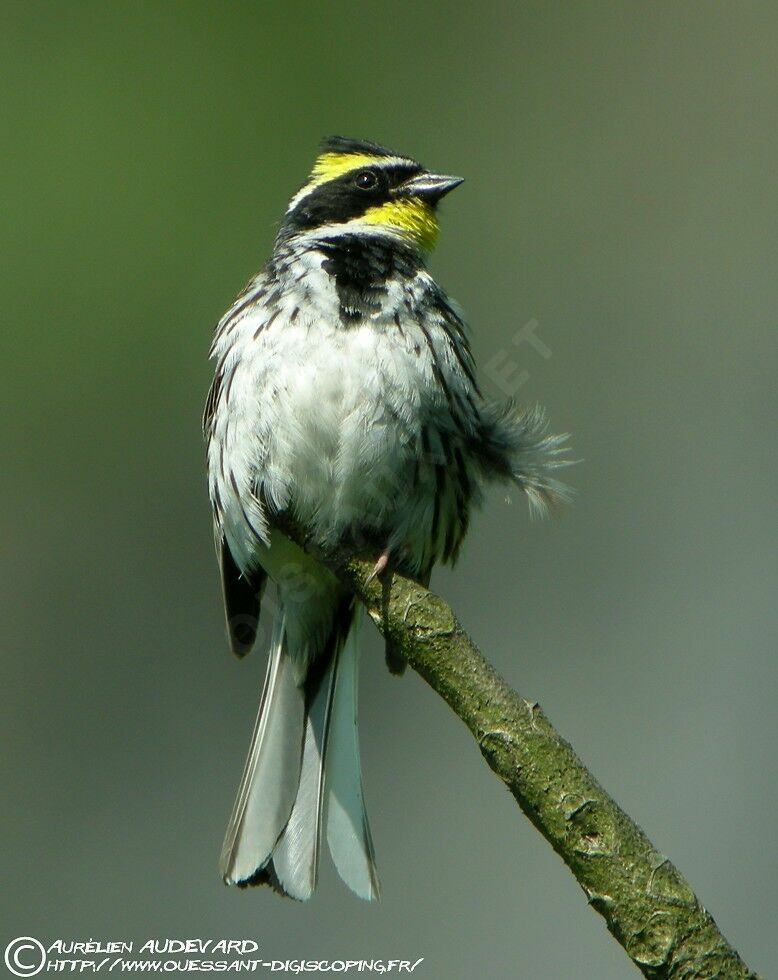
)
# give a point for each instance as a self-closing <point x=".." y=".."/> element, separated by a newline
<point x="242" y="597"/>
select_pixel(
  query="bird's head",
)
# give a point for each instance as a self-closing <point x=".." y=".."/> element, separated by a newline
<point x="357" y="187"/>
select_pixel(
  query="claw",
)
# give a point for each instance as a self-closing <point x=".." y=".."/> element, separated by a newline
<point x="380" y="567"/>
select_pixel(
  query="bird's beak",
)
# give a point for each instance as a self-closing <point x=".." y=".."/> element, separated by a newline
<point x="431" y="187"/>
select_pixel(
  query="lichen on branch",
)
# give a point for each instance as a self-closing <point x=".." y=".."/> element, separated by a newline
<point x="646" y="902"/>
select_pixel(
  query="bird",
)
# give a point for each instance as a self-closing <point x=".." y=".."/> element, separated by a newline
<point x="345" y="397"/>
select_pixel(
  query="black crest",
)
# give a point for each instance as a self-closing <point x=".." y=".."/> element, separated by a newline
<point x="344" y="144"/>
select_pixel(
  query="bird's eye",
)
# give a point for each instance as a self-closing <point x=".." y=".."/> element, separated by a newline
<point x="366" y="180"/>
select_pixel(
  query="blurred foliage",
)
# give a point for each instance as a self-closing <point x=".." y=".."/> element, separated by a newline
<point x="620" y="165"/>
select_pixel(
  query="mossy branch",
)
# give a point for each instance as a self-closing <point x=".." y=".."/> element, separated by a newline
<point x="646" y="902"/>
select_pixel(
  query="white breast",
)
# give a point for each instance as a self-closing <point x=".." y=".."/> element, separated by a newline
<point x="325" y="417"/>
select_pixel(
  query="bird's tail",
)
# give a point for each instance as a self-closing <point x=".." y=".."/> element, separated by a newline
<point x="302" y="774"/>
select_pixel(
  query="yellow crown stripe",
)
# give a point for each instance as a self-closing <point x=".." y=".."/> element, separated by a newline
<point x="331" y="165"/>
<point x="328" y="166"/>
<point x="410" y="217"/>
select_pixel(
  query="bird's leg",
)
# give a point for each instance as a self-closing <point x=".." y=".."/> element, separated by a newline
<point x="382" y="570"/>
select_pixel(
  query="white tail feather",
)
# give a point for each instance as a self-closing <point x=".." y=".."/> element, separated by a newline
<point x="348" y="832"/>
<point x="272" y="771"/>
<point x="296" y="855"/>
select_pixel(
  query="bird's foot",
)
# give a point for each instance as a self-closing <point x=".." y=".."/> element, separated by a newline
<point x="380" y="567"/>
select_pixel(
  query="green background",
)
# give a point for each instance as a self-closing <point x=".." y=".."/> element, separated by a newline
<point x="621" y="190"/>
